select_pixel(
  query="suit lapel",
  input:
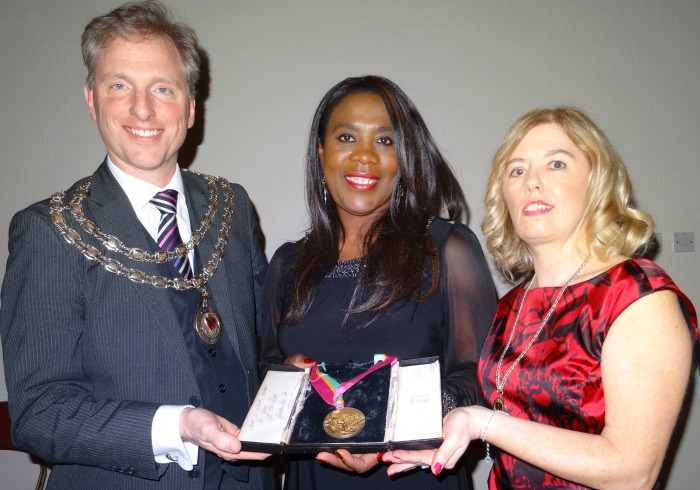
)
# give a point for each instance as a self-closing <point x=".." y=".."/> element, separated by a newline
<point x="114" y="214"/>
<point x="218" y="285"/>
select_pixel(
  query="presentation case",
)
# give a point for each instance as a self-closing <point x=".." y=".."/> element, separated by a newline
<point x="401" y="404"/>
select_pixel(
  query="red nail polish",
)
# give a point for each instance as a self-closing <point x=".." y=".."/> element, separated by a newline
<point x="337" y="454"/>
<point x="308" y="360"/>
<point x="437" y="469"/>
<point x="380" y="457"/>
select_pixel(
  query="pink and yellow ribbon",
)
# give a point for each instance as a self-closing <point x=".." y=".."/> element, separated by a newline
<point x="332" y="391"/>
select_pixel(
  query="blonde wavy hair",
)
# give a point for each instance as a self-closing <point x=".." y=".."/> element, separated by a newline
<point x="613" y="225"/>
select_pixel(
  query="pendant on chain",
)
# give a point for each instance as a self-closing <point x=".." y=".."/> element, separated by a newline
<point x="498" y="405"/>
<point x="207" y="321"/>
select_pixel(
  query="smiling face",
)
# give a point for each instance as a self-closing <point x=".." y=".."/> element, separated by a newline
<point x="140" y="103"/>
<point x="545" y="185"/>
<point x="359" y="158"/>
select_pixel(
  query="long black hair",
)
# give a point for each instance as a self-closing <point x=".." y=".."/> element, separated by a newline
<point x="398" y="246"/>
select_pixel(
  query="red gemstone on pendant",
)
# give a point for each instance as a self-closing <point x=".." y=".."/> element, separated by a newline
<point x="211" y="322"/>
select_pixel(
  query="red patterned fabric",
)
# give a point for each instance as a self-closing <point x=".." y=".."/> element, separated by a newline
<point x="558" y="382"/>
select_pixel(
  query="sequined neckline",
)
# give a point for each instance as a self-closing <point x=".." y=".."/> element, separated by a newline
<point x="351" y="268"/>
<point x="345" y="268"/>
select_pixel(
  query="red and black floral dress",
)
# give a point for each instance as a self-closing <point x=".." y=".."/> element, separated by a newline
<point x="558" y="382"/>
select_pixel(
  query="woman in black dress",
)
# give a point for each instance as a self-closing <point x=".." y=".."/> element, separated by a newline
<point x="379" y="270"/>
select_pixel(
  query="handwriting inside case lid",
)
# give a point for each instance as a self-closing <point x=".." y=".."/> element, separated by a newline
<point x="270" y="412"/>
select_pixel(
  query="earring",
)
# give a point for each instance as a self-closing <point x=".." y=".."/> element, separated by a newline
<point x="325" y="191"/>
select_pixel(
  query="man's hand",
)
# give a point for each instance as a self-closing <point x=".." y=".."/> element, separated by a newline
<point x="214" y="434"/>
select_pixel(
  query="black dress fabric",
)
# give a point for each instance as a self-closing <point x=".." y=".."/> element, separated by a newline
<point x="452" y="324"/>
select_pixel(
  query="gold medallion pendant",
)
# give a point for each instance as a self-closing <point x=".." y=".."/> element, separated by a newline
<point x="344" y="423"/>
<point x="498" y="405"/>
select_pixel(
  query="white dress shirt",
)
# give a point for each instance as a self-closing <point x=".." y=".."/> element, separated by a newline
<point x="167" y="444"/>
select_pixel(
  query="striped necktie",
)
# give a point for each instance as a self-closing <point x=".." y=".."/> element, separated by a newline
<point x="168" y="235"/>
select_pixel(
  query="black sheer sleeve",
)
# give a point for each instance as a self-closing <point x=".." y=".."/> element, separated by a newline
<point x="470" y="305"/>
<point x="274" y="300"/>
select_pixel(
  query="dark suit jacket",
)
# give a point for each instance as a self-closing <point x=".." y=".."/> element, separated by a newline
<point x="89" y="355"/>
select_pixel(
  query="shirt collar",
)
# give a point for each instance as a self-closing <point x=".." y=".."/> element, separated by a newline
<point x="141" y="192"/>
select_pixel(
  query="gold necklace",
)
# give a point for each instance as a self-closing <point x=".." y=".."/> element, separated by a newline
<point x="207" y="321"/>
<point x="499" y="405"/>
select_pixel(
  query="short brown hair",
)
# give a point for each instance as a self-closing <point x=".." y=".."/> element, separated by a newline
<point x="142" y="19"/>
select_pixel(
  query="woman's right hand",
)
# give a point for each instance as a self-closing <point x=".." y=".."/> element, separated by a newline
<point x="459" y="428"/>
<point x="300" y="361"/>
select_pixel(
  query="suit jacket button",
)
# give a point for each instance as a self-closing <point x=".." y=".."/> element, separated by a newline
<point x="171" y="456"/>
<point x="194" y="474"/>
<point x="212" y="352"/>
<point x="195" y="401"/>
<point x="222" y="388"/>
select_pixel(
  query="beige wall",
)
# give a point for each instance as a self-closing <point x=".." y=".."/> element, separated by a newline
<point x="471" y="67"/>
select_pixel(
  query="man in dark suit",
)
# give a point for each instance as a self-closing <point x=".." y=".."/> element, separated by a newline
<point x="130" y="301"/>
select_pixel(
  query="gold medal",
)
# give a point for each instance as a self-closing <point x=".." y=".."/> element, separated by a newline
<point x="344" y="423"/>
